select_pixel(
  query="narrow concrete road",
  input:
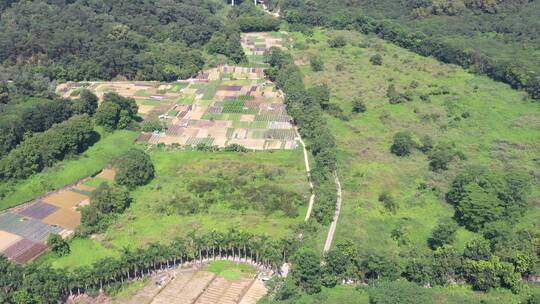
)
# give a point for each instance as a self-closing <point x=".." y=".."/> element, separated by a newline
<point x="332" y="230"/>
<point x="308" y="172"/>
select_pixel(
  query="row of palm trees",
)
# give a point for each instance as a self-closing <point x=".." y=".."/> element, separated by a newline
<point x="260" y="250"/>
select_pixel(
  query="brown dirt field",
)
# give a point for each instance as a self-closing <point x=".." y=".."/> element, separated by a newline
<point x="107" y="174"/>
<point x="7" y="239"/>
<point x="202" y="133"/>
<point x="247" y="117"/>
<point x="144" y="109"/>
<point x="66" y="199"/>
<point x="223" y="124"/>
<point x="84" y="187"/>
<point x="256" y="144"/>
<point x="190" y="132"/>
<point x="64" y="218"/>
<point x="220" y="141"/>
<point x="254" y="293"/>
<point x="31" y="253"/>
<point x="273" y="144"/>
<point x="181" y="140"/>
<point x="185" y="292"/>
<point x="291" y="144"/>
<point x="217" y="132"/>
<point x="197" y="113"/>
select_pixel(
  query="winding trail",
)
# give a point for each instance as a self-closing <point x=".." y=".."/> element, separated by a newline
<point x="332" y="230"/>
<point x="308" y="173"/>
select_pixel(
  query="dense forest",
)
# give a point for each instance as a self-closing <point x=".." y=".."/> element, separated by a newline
<point x="82" y="40"/>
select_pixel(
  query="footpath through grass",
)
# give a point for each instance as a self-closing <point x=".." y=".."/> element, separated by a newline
<point x="69" y="171"/>
<point x="492" y="124"/>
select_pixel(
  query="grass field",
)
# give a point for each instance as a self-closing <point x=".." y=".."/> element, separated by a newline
<point x="68" y="171"/>
<point x="151" y="218"/>
<point x="502" y="130"/>
<point x="231" y="270"/>
<point x="493" y="125"/>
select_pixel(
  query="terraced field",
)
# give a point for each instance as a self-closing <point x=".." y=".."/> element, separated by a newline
<point x="195" y="285"/>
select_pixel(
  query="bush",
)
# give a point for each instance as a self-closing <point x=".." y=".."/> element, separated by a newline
<point x="316" y="63"/>
<point x="358" y="105"/>
<point x="403" y="144"/>
<point x="134" y="168"/>
<point x="376" y="59"/>
<point x="337" y="42"/>
<point x="58" y="245"/>
<point x="388" y="201"/>
<point x="441" y="156"/>
<point x="86" y="104"/>
<point x="426" y="144"/>
<point x="151" y="126"/>
<point x="235" y="148"/>
<point x="443" y="234"/>
<point x="116" y="112"/>
<point x="107" y="201"/>
<point x="320" y="94"/>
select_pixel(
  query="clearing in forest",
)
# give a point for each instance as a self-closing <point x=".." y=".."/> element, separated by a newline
<point x="256" y="44"/>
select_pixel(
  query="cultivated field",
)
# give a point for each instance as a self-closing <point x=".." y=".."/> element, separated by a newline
<point x="220" y="282"/>
<point x="221" y="106"/>
<point x="24" y="230"/>
<point x="255" y="44"/>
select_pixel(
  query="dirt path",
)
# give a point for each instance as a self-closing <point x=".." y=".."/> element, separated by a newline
<point x="308" y="173"/>
<point x="332" y="230"/>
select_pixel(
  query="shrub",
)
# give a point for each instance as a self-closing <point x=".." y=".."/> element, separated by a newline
<point x="151" y="126"/>
<point x="426" y="144"/>
<point x="388" y="201"/>
<point x="235" y="148"/>
<point x="443" y="234"/>
<point x="320" y="94"/>
<point x="58" y="245"/>
<point x="86" y="104"/>
<point x="337" y="42"/>
<point x="376" y="59"/>
<point x="134" y="168"/>
<point x="403" y="144"/>
<point x="116" y="112"/>
<point x="358" y="105"/>
<point x="316" y="63"/>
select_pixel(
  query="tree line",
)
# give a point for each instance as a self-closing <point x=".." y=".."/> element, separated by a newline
<point x="305" y="106"/>
<point x="22" y="116"/>
<point x="39" y="284"/>
<point x="44" y="149"/>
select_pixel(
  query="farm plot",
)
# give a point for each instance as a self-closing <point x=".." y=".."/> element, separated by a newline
<point x="24" y="230"/>
<point x="220" y="282"/>
<point x="233" y="105"/>
<point x="255" y="44"/>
